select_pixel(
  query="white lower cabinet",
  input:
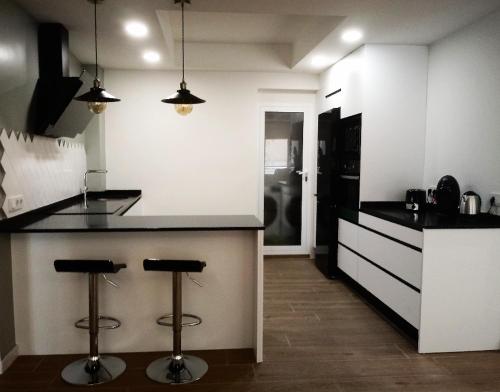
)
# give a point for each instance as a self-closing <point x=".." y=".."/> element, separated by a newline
<point x="400" y="260"/>
<point x="401" y="233"/>
<point x="348" y="234"/>
<point x="402" y="299"/>
<point x="348" y="261"/>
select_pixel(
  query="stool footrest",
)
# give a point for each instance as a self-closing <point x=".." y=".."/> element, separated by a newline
<point x="109" y="323"/>
<point x="163" y="320"/>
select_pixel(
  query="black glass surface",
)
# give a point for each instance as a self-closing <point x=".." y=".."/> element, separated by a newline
<point x="327" y="192"/>
<point x="395" y="212"/>
<point x="114" y="223"/>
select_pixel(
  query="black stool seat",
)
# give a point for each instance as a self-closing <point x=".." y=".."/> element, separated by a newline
<point x="174" y="265"/>
<point x="88" y="266"/>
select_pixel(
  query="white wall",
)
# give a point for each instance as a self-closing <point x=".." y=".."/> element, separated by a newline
<point x="388" y="84"/>
<point x="463" y="131"/>
<point x="205" y="163"/>
<point x="394" y="112"/>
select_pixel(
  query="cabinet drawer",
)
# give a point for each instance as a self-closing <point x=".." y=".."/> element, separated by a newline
<point x="348" y="262"/>
<point x="399" y="297"/>
<point x="348" y="234"/>
<point x="402" y="261"/>
<point x="402" y="233"/>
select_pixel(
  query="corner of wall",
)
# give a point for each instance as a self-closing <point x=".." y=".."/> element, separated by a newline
<point x="7" y="329"/>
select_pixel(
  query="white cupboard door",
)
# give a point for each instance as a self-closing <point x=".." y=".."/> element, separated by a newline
<point x="347" y="261"/>
<point x="401" y="260"/>
<point x="348" y="234"/>
<point x="396" y="295"/>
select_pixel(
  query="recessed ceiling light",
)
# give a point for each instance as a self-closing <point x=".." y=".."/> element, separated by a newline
<point x="136" y="29"/>
<point x="352" y="35"/>
<point x="320" y="61"/>
<point x="151" y="56"/>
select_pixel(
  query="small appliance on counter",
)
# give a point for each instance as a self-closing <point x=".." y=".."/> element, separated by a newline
<point x="415" y="200"/>
<point x="448" y="195"/>
<point x="470" y="203"/>
<point x="431" y="197"/>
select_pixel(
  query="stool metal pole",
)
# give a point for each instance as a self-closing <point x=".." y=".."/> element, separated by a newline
<point x="177" y="310"/>
<point x="93" y="362"/>
<point x="95" y="369"/>
<point x="178" y="368"/>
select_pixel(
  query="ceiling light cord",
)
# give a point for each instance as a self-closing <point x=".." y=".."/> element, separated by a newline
<point x="95" y="39"/>
<point x="182" y="12"/>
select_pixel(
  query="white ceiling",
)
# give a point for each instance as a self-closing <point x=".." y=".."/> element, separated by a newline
<point x="232" y="27"/>
<point x="257" y="35"/>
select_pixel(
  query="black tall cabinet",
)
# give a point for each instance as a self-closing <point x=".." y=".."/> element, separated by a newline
<point x="338" y="177"/>
<point x="327" y="173"/>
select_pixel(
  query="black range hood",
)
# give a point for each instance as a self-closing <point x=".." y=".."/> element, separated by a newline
<point x="55" y="114"/>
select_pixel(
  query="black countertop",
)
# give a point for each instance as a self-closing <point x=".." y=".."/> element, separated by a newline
<point x="102" y="223"/>
<point x="396" y="213"/>
<point x="67" y="216"/>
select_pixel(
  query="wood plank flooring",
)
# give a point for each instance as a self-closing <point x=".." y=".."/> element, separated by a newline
<point x="319" y="336"/>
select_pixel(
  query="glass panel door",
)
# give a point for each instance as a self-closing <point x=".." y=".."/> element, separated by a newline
<point x="283" y="179"/>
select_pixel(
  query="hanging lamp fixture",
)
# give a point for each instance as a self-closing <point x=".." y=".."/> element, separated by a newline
<point x="97" y="98"/>
<point x="183" y="99"/>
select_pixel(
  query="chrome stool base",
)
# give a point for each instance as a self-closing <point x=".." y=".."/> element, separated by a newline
<point x="78" y="373"/>
<point x="192" y="369"/>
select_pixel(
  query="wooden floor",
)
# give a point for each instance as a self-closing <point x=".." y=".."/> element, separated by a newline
<point x="319" y="336"/>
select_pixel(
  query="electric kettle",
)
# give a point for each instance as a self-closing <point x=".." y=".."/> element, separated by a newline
<point x="470" y="203"/>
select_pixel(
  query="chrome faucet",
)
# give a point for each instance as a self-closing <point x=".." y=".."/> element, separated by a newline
<point x="85" y="187"/>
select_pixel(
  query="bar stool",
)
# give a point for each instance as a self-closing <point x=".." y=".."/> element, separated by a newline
<point x="95" y="369"/>
<point x="177" y="368"/>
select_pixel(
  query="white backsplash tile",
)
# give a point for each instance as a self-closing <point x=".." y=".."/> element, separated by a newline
<point x="42" y="169"/>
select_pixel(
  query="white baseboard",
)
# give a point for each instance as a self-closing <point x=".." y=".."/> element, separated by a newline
<point x="9" y="359"/>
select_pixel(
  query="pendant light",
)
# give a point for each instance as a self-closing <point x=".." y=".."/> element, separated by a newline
<point x="183" y="99"/>
<point x="97" y="98"/>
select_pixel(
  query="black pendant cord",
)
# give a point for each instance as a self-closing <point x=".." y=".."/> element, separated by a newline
<point x="182" y="12"/>
<point x="95" y="38"/>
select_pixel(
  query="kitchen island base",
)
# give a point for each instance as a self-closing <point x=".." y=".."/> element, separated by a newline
<point x="230" y="301"/>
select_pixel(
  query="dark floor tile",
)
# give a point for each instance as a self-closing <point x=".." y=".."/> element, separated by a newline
<point x="424" y="383"/>
<point x="26" y="363"/>
<point x="29" y="381"/>
<point x="332" y="353"/>
<point x="347" y="370"/>
<point x="246" y="356"/>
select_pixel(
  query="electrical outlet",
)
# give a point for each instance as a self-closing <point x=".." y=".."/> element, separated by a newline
<point x="15" y="203"/>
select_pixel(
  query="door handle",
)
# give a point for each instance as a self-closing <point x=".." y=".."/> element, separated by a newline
<point x="302" y="173"/>
<point x="348" y="177"/>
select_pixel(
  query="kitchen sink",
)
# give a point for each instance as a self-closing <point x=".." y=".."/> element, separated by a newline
<point x="101" y="203"/>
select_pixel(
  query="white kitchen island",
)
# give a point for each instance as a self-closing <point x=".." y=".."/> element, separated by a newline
<point x="230" y="302"/>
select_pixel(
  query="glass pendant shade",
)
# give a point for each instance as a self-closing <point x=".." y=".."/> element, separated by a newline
<point x="183" y="108"/>
<point x="97" y="107"/>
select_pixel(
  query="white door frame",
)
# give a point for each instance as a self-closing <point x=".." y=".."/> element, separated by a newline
<point x="308" y="148"/>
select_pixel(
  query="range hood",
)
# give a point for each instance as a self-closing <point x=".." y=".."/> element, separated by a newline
<point x="55" y="114"/>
